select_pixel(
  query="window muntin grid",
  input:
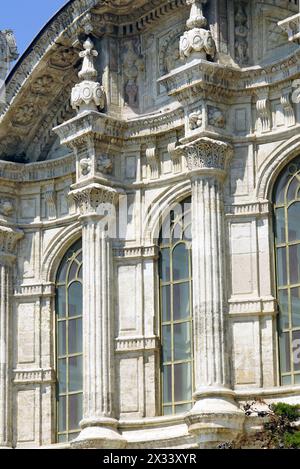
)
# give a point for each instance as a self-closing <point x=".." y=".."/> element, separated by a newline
<point x="176" y="311"/>
<point x="69" y="344"/>
<point x="287" y="246"/>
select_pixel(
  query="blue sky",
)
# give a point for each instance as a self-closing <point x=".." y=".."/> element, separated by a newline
<point x="27" y="17"/>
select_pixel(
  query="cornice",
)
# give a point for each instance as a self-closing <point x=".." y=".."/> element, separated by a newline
<point x="226" y="81"/>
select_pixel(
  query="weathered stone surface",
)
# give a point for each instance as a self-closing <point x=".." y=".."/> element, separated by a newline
<point x="173" y="99"/>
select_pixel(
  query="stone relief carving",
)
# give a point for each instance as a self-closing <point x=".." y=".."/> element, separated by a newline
<point x="63" y="59"/>
<point x="169" y="55"/>
<point x="42" y="85"/>
<point x="85" y="166"/>
<point x="216" y="117"/>
<point x="241" y="44"/>
<point x="196" y="120"/>
<point x="132" y="68"/>
<point x="9" y="239"/>
<point x="6" y="207"/>
<point x="104" y="164"/>
<point x="152" y="159"/>
<point x="24" y="115"/>
<point x="50" y="197"/>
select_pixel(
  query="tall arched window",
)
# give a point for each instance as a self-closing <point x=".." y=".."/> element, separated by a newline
<point x="69" y="344"/>
<point x="287" y="239"/>
<point x="176" y="310"/>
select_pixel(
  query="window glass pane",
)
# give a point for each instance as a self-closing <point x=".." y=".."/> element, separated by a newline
<point x="165" y="265"/>
<point x="62" y="376"/>
<point x="62" y="438"/>
<point x="167" y="345"/>
<point x="61" y="342"/>
<point x="281" y="186"/>
<point x="62" y="272"/>
<point x="182" y="408"/>
<point x="166" y="303"/>
<point x="73" y="271"/>
<point x="292" y="190"/>
<point x="75" y="299"/>
<point x="75" y="411"/>
<point x="283" y="300"/>
<point x="295" y="306"/>
<point x="75" y="374"/>
<point x="62" y="413"/>
<point x="297" y="379"/>
<point x="167" y="410"/>
<point x="61" y="302"/>
<point x="296" y="350"/>
<point x="285" y="358"/>
<point x="294" y="252"/>
<point x="167" y="384"/>
<point x="286" y="380"/>
<point x="280" y="225"/>
<point x="281" y="266"/>
<point x="182" y="382"/>
<point x="181" y="301"/>
<point x="294" y="222"/>
<point x="182" y="341"/>
<point x="180" y="262"/>
<point x="75" y="336"/>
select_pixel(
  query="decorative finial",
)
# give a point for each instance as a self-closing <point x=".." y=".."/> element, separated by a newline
<point x="88" y="95"/>
<point x="197" y="42"/>
<point x="8" y="51"/>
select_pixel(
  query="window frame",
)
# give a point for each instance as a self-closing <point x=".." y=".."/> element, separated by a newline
<point x="171" y="246"/>
<point x="71" y="256"/>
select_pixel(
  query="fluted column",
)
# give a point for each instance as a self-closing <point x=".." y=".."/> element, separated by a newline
<point x="99" y="427"/>
<point x="8" y="241"/>
<point x="207" y="162"/>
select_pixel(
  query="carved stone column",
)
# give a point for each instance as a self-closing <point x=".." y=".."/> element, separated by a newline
<point x="207" y="161"/>
<point x="99" y="427"/>
<point x="8" y="241"/>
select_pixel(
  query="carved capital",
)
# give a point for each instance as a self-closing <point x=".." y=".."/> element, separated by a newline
<point x="207" y="155"/>
<point x="8" y="243"/>
<point x="95" y="200"/>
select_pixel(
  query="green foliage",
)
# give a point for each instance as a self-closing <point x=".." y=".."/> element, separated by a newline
<point x="290" y="412"/>
<point x="292" y="440"/>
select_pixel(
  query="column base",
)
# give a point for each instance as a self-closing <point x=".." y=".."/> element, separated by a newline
<point x="215" y="417"/>
<point x="99" y="434"/>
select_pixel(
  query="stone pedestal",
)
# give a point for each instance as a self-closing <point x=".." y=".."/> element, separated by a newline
<point x="215" y="416"/>
<point x="8" y="241"/>
<point x="99" y="428"/>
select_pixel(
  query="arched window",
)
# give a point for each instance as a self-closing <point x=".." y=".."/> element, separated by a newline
<point x="287" y="245"/>
<point x="69" y="344"/>
<point x="176" y="310"/>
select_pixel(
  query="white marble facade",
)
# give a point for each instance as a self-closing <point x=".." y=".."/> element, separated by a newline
<point x="136" y="105"/>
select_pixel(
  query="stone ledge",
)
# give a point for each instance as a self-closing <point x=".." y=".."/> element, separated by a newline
<point x="135" y="344"/>
<point x="34" y="376"/>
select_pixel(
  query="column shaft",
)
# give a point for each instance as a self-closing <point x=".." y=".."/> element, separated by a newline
<point x="209" y="305"/>
<point x="5" y="391"/>
<point x="98" y="321"/>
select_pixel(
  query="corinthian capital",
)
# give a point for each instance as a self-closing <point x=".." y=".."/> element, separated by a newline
<point x="8" y="243"/>
<point x="95" y="199"/>
<point x="207" y="155"/>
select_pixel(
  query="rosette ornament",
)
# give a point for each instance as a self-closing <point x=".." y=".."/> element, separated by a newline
<point x="198" y="41"/>
<point x="88" y="95"/>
